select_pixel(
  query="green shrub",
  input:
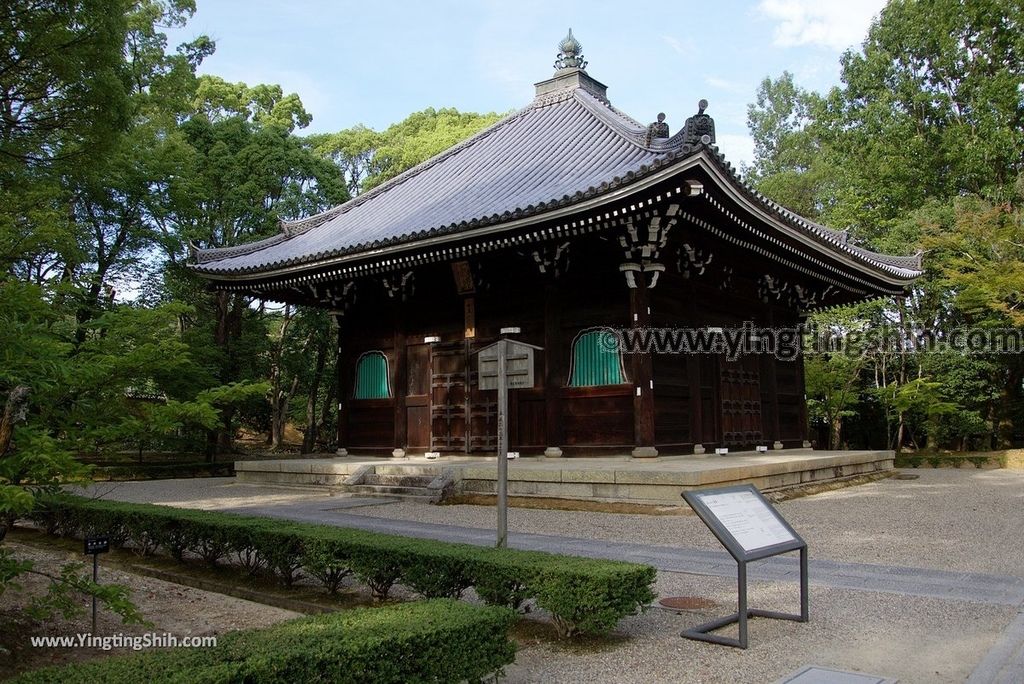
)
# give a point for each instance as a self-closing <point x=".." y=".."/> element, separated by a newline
<point x="589" y="601"/>
<point x="377" y="568"/>
<point x="326" y="561"/>
<point x="978" y="461"/>
<point x="584" y="596"/>
<point x="160" y="471"/>
<point x="429" y="641"/>
<point x="280" y="547"/>
<point x="443" y="573"/>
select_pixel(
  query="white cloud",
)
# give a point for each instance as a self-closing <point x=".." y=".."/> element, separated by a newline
<point x="685" y="47"/>
<point x="738" y="149"/>
<point x="835" y="24"/>
<point x="724" y="84"/>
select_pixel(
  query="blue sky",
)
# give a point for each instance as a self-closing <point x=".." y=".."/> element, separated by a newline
<point x="376" y="62"/>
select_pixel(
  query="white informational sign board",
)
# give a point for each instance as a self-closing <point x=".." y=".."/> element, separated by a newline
<point x="751" y="522"/>
<point x="750" y="528"/>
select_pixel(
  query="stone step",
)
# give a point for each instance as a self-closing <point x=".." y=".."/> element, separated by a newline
<point x="408" y="470"/>
<point x="398" y="480"/>
<point x="390" y="490"/>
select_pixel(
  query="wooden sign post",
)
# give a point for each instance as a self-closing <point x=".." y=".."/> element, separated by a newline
<point x="504" y="365"/>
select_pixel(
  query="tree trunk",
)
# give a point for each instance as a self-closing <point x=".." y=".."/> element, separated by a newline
<point x="309" y="438"/>
<point x="1011" y="408"/>
<point x="280" y="415"/>
<point x="836" y="433"/>
<point x="14" y="412"/>
<point x="327" y="437"/>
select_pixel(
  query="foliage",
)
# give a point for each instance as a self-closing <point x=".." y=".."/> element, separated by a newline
<point x="919" y="149"/>
<point x="368" y="158"/>
<point x="584" y="596"/>
<point x="439" y="640"/>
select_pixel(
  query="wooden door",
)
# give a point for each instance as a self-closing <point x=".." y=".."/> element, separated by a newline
<point x="417" y="397"/>
<point x="483" y="407"/>
<point x="740" y="391"/>
<point x="448" y="370"/>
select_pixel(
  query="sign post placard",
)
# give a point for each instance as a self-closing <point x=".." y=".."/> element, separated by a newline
<point x="750" y="529"/>
<point x="504" y="365"/>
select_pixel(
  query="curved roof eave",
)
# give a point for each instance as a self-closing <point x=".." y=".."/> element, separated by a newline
<point x="812" y="235"/>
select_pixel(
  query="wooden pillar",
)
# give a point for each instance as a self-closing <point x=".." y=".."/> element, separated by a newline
<point x="400" y="385"/>
<point x="553" y="355"/>
<point x="643" y="375"/>
<point x="694" y="378"/>
<point x="769" y="365"/>
<point x="801" y="383"/>
<point x="344" y="370"/>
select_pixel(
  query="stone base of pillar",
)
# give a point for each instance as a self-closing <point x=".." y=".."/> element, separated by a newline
<point x="341" y="452"/>
<point x="778" y="445"/>
<point x="698" y="449"/>
<point x="807" y="445"/>
<point x="645" y="452"/>
<point x="398" y="453"/>
<point x="552" y="452"/>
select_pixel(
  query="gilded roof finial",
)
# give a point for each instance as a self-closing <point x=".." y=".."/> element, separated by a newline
<point x="570" y="54"/>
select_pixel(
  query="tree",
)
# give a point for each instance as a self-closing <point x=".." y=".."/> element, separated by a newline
<point x="245" y="171"/>
<point x="419" y="137"/>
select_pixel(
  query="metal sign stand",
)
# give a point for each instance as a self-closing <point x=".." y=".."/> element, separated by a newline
<point x="94" y="546"/>
<point x="506" y="364"/>
<point x="738" y="523"/>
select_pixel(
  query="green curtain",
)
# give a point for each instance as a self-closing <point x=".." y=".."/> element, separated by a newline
<point x="372" y="377"/>
<point x="593" y="364"/>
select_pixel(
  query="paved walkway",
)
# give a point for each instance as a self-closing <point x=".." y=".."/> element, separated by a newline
<point x="973" y="587"/>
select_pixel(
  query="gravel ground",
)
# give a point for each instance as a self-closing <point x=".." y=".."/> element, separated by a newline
<point x="962" y="520"/>
<point x="908" y="638"/>
<point x="947" y="519"/>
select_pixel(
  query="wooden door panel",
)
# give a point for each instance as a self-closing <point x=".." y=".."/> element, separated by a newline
<point x="740" y="390"/>
<point x="448" y="397"/>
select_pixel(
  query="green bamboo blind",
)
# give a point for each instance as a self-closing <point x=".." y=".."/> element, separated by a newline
<point x="372" y="377"/>
<point x="594" y="364"/>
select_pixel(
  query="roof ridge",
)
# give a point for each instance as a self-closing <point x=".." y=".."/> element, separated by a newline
<point x="619" y="122"/>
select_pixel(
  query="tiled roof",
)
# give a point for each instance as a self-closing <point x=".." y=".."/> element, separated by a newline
<point x="562" y="143"/>
<point x="567" y="146"/>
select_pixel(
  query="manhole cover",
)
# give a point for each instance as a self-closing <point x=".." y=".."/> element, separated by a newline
<point x="686" y="603"/>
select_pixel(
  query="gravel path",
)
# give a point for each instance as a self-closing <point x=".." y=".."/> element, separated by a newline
<point x="957" y="520"/>
<point x="907" y="638"/>
<point x="965" y="520"/>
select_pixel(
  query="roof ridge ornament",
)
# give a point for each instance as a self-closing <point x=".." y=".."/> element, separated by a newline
<point x="699" y="128"/>
<point x="570" y="54"/>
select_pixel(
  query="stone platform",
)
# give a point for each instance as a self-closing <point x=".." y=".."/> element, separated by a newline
<point x="657" y="481"/>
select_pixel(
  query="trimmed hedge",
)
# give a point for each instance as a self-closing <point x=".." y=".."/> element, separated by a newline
<point x="584" y="595"/>
<point x="429" y="641"/>
<point x="162" y="471"/>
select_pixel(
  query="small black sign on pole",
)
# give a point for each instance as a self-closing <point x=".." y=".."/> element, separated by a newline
<point x="750" y="529"/>
<point x="94" y="546"/>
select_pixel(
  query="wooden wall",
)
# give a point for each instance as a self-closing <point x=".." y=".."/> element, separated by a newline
<point x="698" y="399"/>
